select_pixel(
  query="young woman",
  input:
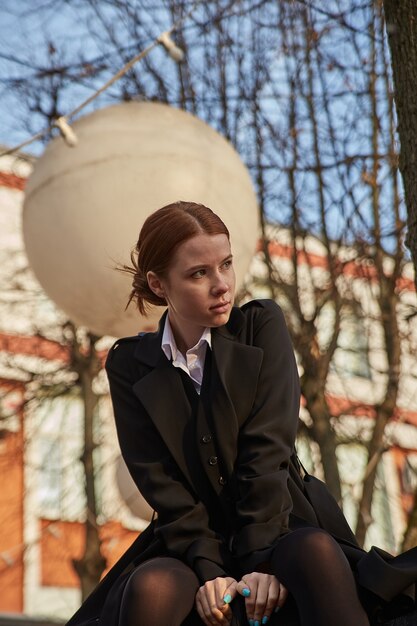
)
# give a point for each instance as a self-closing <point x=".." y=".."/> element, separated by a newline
<point x="206" y="410"/>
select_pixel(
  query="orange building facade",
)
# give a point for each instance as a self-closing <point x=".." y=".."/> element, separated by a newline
<point x="11" y="515"/>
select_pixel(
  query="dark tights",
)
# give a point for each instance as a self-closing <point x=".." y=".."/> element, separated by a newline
<point x="160" y="592"/>
<point x="308" y="561"/>
<point x="312" y="566"/>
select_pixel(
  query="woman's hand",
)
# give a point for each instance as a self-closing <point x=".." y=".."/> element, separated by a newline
<point x="263" y="594"/>
<point x="213" y="601"/>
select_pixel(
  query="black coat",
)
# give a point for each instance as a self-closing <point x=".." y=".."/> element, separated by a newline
<point x="248" y="456"/>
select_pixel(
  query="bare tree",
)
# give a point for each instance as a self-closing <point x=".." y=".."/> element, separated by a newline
<point x="401" y="25"/>
<point x="371" y="226"/>
<point x="401" y="30"/>
<point x="86" y="361"/>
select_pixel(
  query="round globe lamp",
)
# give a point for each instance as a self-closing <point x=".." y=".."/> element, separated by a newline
<point x="84" y="206"/>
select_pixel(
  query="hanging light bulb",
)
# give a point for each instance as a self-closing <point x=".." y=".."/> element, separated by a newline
<point x="66" y="131"/>
<point x="171" y="47"/>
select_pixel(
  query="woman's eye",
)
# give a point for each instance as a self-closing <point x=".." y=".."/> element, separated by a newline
<point x="198" y="274"/>
<point x="227" y="264"/>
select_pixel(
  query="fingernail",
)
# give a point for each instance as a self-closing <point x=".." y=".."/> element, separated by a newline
<point x="265" y="619"/>
<point x="278" y="608"/>
<point x="246" y="593"/>
<point x="227" y="598"/>
<point x="251" y="622"/>
<point x="256" y="623"/>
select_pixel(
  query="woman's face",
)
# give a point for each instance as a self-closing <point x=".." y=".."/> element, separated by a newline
<point x="199" y="287"/>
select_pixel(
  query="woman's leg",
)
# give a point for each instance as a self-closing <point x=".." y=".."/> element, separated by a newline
<point x="312" y="566"/>
<point x="160" y="592"/>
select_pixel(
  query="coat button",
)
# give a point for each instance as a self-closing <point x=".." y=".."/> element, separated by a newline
<point x="206" y="438"/>
<point x="213" y="460"/>
<point x="222" y="480"/>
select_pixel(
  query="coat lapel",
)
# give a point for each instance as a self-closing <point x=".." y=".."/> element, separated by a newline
<point x="162" y="395"/>
<point x="235" y="375"/>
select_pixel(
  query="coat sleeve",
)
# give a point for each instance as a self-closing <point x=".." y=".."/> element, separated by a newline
<point x="182" y="524"/>
<point x="266" y="440"/>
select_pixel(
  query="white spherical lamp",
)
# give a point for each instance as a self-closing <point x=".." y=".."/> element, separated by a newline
<point x="84" y="206"/>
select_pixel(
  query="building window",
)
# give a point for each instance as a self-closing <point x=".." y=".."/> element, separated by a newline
<point x="50" y="487"/>
<point x="352" y="354"/>
<point x="57" y="444"/>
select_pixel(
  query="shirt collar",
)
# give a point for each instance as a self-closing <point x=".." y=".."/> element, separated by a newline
<point x="169" y="345"/>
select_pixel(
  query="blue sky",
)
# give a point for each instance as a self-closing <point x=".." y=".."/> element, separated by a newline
<point x="26" y="31"/>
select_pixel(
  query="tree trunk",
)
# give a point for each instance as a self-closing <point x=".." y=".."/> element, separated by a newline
<point x="92" y="563"/>
<point x="323" y="432"/>
<point x="401" y="26"/>
<point x="410" y="535"/>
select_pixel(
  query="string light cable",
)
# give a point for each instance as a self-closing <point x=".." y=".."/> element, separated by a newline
<point x="62" y="123"/>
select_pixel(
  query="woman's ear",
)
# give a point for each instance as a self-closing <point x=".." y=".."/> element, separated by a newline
<point x="155" y="284"/>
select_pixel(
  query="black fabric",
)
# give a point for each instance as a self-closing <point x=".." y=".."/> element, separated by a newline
<point x="220" y="516"/>
<point x="255" y="416"/>
<point x="308" y="561"/>
<point x="312" y="566"/>
<point x="254" y="403"/>
<point x="329" y="515"/>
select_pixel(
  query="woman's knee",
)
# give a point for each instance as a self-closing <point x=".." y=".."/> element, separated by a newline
<point x="316" y="542"/>
<point x="162" y="573"/>
<point x="307" y="547"/>
<point x="158" y="592"/>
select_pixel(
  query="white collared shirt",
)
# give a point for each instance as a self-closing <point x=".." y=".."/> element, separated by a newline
<point x="193" y="362"/>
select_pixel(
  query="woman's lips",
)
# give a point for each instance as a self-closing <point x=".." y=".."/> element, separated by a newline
<point x="222" y="307"/>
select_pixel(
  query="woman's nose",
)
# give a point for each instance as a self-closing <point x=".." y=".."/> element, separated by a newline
<point x="220" y="285"/>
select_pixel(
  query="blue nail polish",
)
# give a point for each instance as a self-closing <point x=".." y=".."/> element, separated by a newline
<point x="227" y="598"/>
<point x="265" y="619"/>
<point x="251" y="622"/>
<point x="246" y="593"/>
<point x="256" y="623"/>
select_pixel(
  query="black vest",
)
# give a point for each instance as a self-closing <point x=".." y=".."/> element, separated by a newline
<point x="199" y="432"/>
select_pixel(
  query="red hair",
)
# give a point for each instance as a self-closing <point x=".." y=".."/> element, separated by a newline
<point x="160" y="236"/>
